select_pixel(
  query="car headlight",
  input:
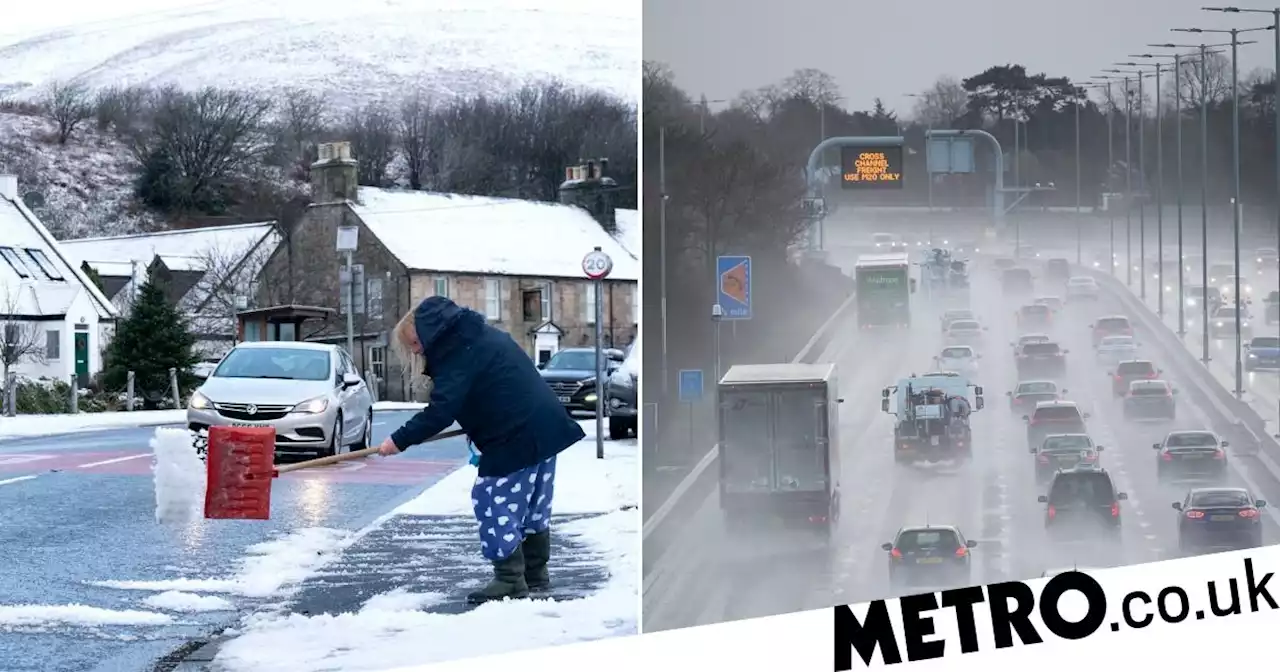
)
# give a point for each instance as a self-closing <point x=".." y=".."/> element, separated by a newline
<point x="1244" y="324"/>
<point x="587" y="382"/>
<point x="1253" y="356"/>
<point x="1191" y="302"/>
<point x="317" y="405"/>
<point x="198" y="401"/>
<point x="1219" y="325"/>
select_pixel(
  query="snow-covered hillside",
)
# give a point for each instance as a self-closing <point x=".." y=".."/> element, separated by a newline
<point x="353" y="51"/>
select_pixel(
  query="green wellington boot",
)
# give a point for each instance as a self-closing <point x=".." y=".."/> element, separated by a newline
<point x="508" y="581"/>
<point x="537" y="551"/>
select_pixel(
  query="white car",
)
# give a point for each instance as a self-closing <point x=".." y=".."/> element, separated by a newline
<point x="959" y="358"/>
<point x="1116" y="349"/>
<point x="965" y="332"/>
<point x="1229" y="286"/>
<point x="1082" y="287"/>
<point x="1222" y="323"/>
<point x="956" y="314"/>
<point x="1053" y="302"/>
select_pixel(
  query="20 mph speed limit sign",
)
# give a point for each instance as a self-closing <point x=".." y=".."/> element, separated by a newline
<point x="597" y="265"/>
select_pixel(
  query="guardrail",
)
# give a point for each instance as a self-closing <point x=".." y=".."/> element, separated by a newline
<point x="659" y="528"/>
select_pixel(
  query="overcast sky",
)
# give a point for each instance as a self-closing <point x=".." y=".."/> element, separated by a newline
<point x="888" y="48"/>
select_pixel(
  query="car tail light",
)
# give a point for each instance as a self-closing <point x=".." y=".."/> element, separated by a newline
<point x="896" y="553"/>
<point x="1119" y="379"/>
<point x="1219" y="454"/>
<point x="817" y="519"/>
<point x="961" y="552"/>
<point x="1051" y="512"/>
<point x="1044" y="459"/>
<point x="1089" y="457"/>
<point x="1115" y="509"/>
<point x="1249" y="513"/>
<point x="1167" y="457"/>
<point x="960" y="444"/>
<point x="1195" y="515"/>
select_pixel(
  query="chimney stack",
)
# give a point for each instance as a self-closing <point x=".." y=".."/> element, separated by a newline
<point x="587" y="186"/>
<point x="333" y="175"/>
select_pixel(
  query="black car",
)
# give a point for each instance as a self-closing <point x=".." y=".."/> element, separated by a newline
<point x="1191" y="454"/>
<point x="1217" y="518"/>
<point x="1082" y="502"/>
<point x="1054" y="417"/>
<point x="572" y="376"/>
<point x="1057" y="270"/>
<point x="1005" y="263"/>
<point x="1034" y="316"/>
<point x="930" y="555"/>
<point x="1064" y="451"/>
<point x="1016" y="281"/>
<point x="1041" y="359"/>
<point x="621" y="394"/>
<point x="1150" y="399"/>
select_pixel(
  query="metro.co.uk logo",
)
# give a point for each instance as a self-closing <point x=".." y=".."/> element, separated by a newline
<point x="1010" y="606"/>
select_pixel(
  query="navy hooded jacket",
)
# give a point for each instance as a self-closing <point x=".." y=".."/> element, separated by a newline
<point x="483" y="380"/>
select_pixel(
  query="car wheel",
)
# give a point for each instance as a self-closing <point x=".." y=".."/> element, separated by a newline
<point x="366" y="434"/>
<point x="335" y="437"/>
<point x="617" y="429"/>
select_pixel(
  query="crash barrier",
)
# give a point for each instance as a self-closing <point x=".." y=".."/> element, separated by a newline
<point x="661" y="527"/>
<point x="1248" y="434"/>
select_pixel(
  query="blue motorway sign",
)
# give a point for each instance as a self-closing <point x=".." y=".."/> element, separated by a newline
<point x="690" y="385"/>
<point x="733" y="287"/>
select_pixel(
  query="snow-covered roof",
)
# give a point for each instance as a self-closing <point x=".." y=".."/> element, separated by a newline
<point x="182" y="263"/>
<point x="230" y="241"/>
<point x="36" y="277"/>
<point x="488" y="236"/>
<point x="629" y="230"/>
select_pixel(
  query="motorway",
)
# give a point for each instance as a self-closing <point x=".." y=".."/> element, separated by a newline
<point x="78" y="509"/>
<point x="707" y="577"/>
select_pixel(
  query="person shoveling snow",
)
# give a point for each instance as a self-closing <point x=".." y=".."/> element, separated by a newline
<point x="482" y="379"/>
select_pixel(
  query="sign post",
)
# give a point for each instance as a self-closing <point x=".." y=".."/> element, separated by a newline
<point x="348" y="238"/>
<point x="597" y="265"/>
<point x="691" y="392"/>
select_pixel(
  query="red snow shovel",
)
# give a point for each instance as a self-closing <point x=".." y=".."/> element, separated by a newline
<point x="240" y="462"/>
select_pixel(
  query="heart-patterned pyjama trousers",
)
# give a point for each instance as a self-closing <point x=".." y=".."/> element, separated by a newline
<point x="511" y="506"/>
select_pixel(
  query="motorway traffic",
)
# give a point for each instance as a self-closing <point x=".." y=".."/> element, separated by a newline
<point x="708" y="577"/>
<point x="78" y="509"/>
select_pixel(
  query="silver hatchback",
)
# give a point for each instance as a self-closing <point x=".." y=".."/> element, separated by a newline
<point x="309" y="392"/>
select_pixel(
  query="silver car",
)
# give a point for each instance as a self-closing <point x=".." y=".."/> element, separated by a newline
<point x="309" y="392"/>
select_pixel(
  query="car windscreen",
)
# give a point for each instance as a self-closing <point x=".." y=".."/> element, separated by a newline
<point x="1191" y="441"/>
<point x="1117" y="342"/>
<point x="1113" y="323"/>
<point x="1045" y="387"/>
<point x="1135" y="369"/>
<point x="1211" y="498"/>
<point x="1072" y="442"/>
<point x="923" y="540"/>
<point x="964" y="325"/>
<point x="957" y="353"/>
<point x="953" y="315"/>
<point x="1081" y="282"/>
<point x="1149" y="390"/>
<point x="1037" y="310"/>
<point x="1225" y="313"/>
<point x="1040" y="349"/>
<point x="1082" y="488"/>
<point x="1018" y="274"/>
<point x="1265" y="342"/>
<point x="572" y="360"/>
<point x="1057" y="413"/>
<point x="277" y="363"/>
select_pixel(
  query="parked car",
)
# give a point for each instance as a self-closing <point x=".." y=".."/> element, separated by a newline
<point x="571" y="373"/>
<point x="622" y="395"/>
<point x="309" y="392"/>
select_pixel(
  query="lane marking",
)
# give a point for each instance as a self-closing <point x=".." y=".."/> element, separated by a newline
<point x="17" y="479"/>
<point x="19" y="458"/>
<point x="112" y="461"/>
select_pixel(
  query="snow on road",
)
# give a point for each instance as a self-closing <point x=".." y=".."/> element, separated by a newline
<point x="175" y="600"/>
<point x="391" y="631"/>
<point x="76" y="615"/>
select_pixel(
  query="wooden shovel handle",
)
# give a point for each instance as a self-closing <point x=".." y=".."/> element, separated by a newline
<point x="354" y="455"/>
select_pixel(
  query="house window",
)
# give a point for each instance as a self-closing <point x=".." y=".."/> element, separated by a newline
<point x="53" y="345"/>
<point x="378" y="362"/>
<point x="493" y="299"/>
<point x="374" y="294"/>
<point x="252" y="331"/>
<point x="442" y="286"/>
<point x="589" y="303"/>
<point x="15" y="262"/>
<point x="45" y="265"/>
<point x="548" y="290"/>
<point x="12" y="335"/>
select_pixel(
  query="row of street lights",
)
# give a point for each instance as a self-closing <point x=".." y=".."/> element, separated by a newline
<point x="1134" y="69"/>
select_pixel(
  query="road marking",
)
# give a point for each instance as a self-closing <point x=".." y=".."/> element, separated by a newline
<point x="18" y="479"/>
<point x="8" y="460"/>
<point x="112" y="461"/>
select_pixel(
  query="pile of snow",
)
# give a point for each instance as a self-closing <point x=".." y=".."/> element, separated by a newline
<point x="180" y="476"/>
<point x="392" y="631"/>
<point x="76" y="615"/>
<point x="269" y="567"/>
<point x="173" y="600"/>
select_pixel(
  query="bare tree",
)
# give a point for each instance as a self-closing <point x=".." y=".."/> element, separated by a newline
<point x="230" y="284"/>
<point x="942" y="104"/>
<point x="302" y="114"/>
<point x="416" y="138"/>
<point x="67" y="104"/>
<point x="198" y="143"/>
<point x="372" y="133"/>
<point x="813" y="85"/>
<point x="119" y="108"/>
<point x="21" y="341"/>
<point x="1217" y="86"/>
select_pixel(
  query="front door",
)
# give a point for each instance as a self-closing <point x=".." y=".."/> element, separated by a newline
<point x="82" y="357"/>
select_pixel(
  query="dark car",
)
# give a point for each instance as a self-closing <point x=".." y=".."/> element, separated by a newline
<point x="572" y="376"/>
<point x="1272" y="311"/>
<point x="1150" y="399"/>
<point x="1016" y="281"/>
<point x="930" y="555"/>
<point x="1005" y="263"/>
<point x="1219" y="518"/>
<point x="1054" y="417"/>
<point x="1128" y="371"/>
<point x="1028" y="393"/>
<point x="1046" y="359"/>
<point x="621" y="394"/>
<point x="1057" y="269"/>
<point x="1035" y="316"/>
<point x="1262" y="352"/>
<point x="1191" y="454"/>
<point x="1082" y="502"/>
<point x="1028" y="338"/>
<point x="1111" y="325"/>
<point x="1197" y="296"/>
<point x="1064" y="451"/>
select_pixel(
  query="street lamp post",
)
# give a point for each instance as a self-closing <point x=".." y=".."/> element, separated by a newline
<point x="1142" y="171"/>
<point x="1159" y="187"/>
<point x="927" y="168"/>
<point x="1235" y="170"/>
<point x="1111" y="162"/>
